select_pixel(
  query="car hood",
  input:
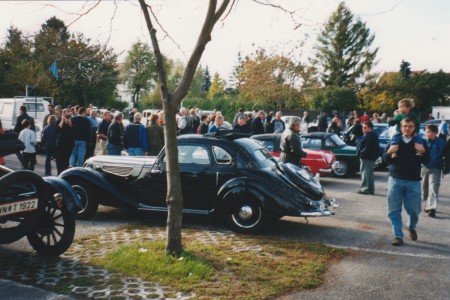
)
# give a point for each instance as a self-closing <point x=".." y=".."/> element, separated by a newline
<point x="120" y="165"/>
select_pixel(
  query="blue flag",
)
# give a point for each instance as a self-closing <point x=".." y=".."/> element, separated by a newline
<point x="54" y="69"/>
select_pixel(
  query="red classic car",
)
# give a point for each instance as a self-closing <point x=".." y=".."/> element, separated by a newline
<point x="318" y="161"/>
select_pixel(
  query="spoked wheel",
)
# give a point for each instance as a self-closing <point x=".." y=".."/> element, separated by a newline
<point x="247" y="217"/>
<point x="55" y="230"/>
<point x="23" y="195"/>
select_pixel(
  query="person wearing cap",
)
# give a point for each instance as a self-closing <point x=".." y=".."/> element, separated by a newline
<point x="290" y="145"/>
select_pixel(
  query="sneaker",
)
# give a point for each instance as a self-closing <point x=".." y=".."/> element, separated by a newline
<point x="413" y="234"/>
<point x="397" y="242"/>
<point x="432" y="213"/>
<point x="363" y="192"/>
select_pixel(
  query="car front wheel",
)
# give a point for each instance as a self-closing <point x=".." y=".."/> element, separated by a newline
<point x="341" y="168"/>
<point x="89" y="204"/>
<point x="247" y="216"/>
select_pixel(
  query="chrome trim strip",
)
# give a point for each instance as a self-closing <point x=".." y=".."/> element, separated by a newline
<point x="326" y="170"/>
<point x="316" y="213"/>
<point x="164" y="209"/>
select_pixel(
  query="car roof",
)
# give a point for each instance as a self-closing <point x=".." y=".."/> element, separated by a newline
<point x="231" y="138"/>
<point x="317" y="134"/>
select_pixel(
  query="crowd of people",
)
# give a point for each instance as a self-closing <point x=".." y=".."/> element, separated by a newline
<point x="416" y="165"/>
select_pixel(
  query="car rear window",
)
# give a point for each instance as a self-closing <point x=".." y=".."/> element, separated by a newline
<point x="264" y="157"/>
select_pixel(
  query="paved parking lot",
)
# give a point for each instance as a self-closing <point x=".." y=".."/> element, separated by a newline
<point x="374" y="269"/>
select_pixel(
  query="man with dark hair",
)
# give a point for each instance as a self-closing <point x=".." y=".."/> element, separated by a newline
<point x="257" y="126"/>
<point x="115" y="136"/>
<point x="51" y="112"/>
<point x="432" y="171"/>
<point x="23" y="116"/>
<point x="81" y="127"/>
<point x="404" y="182"/>
<point x="322" y="125"/>
<point x="102" y="133"/>
<point x="367" y="151"/>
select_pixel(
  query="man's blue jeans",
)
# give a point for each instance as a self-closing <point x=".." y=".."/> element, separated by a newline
<point x="78" y="153"/>
<point x="403" y="192"/>
<point x="135" y="152"/>
<point x="113" y="149"/>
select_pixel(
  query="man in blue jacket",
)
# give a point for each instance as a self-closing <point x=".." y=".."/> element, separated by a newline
<point x="432" y="171"/>
<point x="368" y="151"/>
<point x="135" y="137"/>
<point x="404" y="182"/>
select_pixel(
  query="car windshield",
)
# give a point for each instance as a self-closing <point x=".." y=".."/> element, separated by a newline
<point x="334" y="138"/>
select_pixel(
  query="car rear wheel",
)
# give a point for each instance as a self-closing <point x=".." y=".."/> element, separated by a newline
<point x="89" y="204"/>
<point x="341" y="168"/>
<point x="247" y="216"/>
<point x="55" y="229"/>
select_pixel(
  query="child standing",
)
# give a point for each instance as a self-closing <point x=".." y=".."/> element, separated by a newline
<point x="28" y="137"/>
<point x="404" y="111"/>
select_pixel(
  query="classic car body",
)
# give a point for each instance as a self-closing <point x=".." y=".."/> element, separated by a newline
<point x="318" y="161"/>
<point x="347" y="161"/>
<point x="234" y="178"/>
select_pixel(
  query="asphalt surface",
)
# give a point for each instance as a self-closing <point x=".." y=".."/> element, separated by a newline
<point x="373" y="269"/>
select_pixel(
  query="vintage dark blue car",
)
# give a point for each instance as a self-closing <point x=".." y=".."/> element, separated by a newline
<point x="234" y="178"/>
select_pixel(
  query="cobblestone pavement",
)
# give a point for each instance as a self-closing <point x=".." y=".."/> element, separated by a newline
<point x="71" y="274"/>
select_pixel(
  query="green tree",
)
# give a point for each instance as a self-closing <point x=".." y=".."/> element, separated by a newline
<point x="344" y="49"/>
<point x="271" y="81"/>
<point x="88" y="72"/>
<point x="139" y="71"/>
<point x="333" y="97"/>
<point x="14" y="57"/>
<point x="206" y="81"/>
<point x="217" y="86"/>
<point x="405" y="69"/>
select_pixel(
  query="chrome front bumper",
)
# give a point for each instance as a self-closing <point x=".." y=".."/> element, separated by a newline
<point x="323" y="211"/>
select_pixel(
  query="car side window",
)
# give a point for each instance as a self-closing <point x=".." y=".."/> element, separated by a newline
<point x="221" y="156"/>
<point x="329" y="143"/>
<point x="311" y="143"/>
<point x="193" y="154"/>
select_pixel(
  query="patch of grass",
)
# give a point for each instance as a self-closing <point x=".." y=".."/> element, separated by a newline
<point x="262" y="269"/>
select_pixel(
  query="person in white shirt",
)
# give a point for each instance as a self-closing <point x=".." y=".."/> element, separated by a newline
<point x="28" y="137"/>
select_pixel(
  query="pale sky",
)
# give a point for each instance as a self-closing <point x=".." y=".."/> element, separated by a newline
<point x="417" y="31"/>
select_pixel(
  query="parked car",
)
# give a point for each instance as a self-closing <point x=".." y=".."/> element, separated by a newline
<point x="347" y="162"/>
<point x="237" y="179"/>
<point x="318" y="161"/>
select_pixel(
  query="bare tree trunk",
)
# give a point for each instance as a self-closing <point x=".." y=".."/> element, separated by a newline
<point x="171" y="101"/>
<point x="174" y="198"/>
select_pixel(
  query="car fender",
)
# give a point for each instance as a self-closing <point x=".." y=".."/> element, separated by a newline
<point x="101" y="185"/>
<point x="70" y="199"/>
<point x="249" y="187"/>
